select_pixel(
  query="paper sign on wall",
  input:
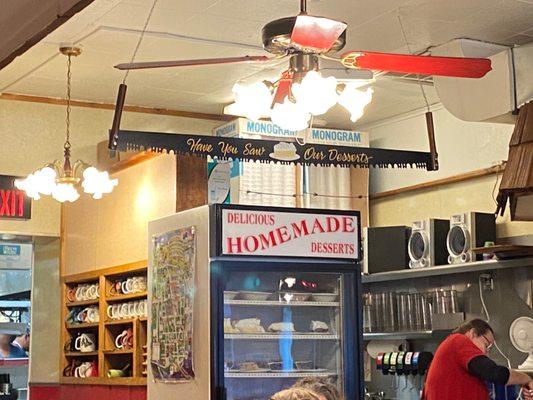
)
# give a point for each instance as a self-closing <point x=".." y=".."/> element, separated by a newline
<point x="264" y="233"/>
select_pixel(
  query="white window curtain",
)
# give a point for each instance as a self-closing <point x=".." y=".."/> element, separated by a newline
<point x="267" y="184"/>
<point x="327" y="187"/>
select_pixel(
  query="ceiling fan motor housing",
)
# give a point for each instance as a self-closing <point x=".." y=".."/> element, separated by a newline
<point x="276" y="37"/>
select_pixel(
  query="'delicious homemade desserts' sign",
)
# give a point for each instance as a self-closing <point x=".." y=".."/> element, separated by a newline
<point x="275" y="233"/>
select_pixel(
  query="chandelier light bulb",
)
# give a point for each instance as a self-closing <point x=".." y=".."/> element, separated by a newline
<point x="28" y="185"/>
<point x="45" y="180"/>
<point x="289" y="115"/>
<point x="65" y="192"/>
<point x="316" y="94"/>
<point x="355" y="101"/>
<point x="251" y="101"/>
<point x="97" y="183"/>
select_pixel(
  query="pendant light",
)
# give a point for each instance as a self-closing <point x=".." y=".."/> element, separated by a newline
<point x="61" y="179"/>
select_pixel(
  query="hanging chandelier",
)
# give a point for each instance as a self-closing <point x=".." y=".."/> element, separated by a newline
<point x="301" y="93"/>
<point x="61" y="179"/>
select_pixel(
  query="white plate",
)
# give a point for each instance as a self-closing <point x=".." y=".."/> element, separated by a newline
<point x="251" y="295"/>
<point x="295" y="157"/>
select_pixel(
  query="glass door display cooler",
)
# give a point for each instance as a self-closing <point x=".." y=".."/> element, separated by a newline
<point x="284" y="294"/>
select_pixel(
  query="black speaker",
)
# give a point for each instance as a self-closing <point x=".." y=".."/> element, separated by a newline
<point x="386" y="248"/>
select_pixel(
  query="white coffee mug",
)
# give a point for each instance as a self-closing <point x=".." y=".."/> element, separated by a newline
<point x="93" y="315"/>
<point x="143" y="308"/>
<point x="127" y="286"/>
<point x="80" y="293"/>
<point x="139" y="284"/>
<point x="85" y="343"/>
<point x="84" y="370"/>
<point x="124" y="311"/>
<point x="113" y="311"/>
<point x="91" y="292"/>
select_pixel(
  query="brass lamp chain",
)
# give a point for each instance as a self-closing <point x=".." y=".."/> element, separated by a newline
<point x="67" y="119"/>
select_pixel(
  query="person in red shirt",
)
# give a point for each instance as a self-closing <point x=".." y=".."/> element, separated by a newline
<point x="461" y="368"/>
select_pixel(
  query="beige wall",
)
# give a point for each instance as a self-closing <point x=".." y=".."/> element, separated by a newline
<point x="112" y="231"/>
<point x="46" y="306"/>
<point x="462" y="146"/>
<point x="442" y="202"/>
<point x="32" y="134"/>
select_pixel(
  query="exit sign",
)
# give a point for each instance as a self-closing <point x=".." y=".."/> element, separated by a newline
<point x="14" y="204"/>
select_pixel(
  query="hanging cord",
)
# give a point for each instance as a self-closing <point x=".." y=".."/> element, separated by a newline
<point x="67" y="118"/>
<point x="410" y="52"/>
<point x="140" y="40"/>
<point x="496" y="182"/>
<point x="303" y="194"/>
<point x="486" y="311"/>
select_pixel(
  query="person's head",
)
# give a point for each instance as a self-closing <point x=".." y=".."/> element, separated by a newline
<point x="479" y="332"/>
<point x="6" y="339"/>
<point x="295" y="393"/>
<point x="24" y="341"/>
<point x="322" y="386"/>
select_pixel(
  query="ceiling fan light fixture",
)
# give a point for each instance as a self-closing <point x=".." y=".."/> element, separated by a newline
<point x="289" y="115"/>
<point x="355" y="100"/>
<point x="316" y="94"/>
<point x="251" y="101"/>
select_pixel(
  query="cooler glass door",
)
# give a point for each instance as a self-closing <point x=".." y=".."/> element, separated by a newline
<point x="283" y="325"/>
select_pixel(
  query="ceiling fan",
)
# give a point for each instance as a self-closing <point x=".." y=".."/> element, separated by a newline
<point x="305" y="39"/>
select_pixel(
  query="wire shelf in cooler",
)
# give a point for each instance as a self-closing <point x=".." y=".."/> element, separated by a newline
<point x="277" y="336"/>
<point x="295" y="374"/>
<point x="282" y="304"/>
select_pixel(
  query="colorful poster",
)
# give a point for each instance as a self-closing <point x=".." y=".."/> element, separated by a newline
<point x="172" y="305"/>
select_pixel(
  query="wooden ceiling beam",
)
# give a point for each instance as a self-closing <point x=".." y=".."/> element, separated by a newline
<point x="108" y="106"/>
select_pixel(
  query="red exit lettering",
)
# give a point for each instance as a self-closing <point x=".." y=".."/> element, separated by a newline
<point x="11" y="203"/>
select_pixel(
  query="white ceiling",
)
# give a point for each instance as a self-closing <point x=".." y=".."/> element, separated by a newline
<point x="108" y="31"/>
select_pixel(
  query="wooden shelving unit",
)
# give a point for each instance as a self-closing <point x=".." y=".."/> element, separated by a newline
<point x="107" y="356"/>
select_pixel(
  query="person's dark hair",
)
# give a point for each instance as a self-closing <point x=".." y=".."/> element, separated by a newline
<point x="479" y="326"/>
<point x="320" y="385"/>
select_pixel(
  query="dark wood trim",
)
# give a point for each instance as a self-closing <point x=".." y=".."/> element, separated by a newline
<point x="444" y="181"/>
<point x="108" y="106"/>
<point x="56" y="23"/>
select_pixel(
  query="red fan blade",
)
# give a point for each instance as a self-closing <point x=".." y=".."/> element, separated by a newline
<point x="284" y="87"/>
<point x="426" y="65"/>
<point x="316" y="33"/>
<point x="188" y="63"/>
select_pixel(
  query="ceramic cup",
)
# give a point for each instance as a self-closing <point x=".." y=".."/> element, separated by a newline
<point x="127" y="286"/>
<point x="93" y="315"/>
<point x="139" y="284"/>
<point x="124" y="340"/>
<point x="85" y="343"/>
<point x="80" y="292"/>
<point x="86" y="370"/>
<point x="113" y="311"/>
<point x="91" y="292"/>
